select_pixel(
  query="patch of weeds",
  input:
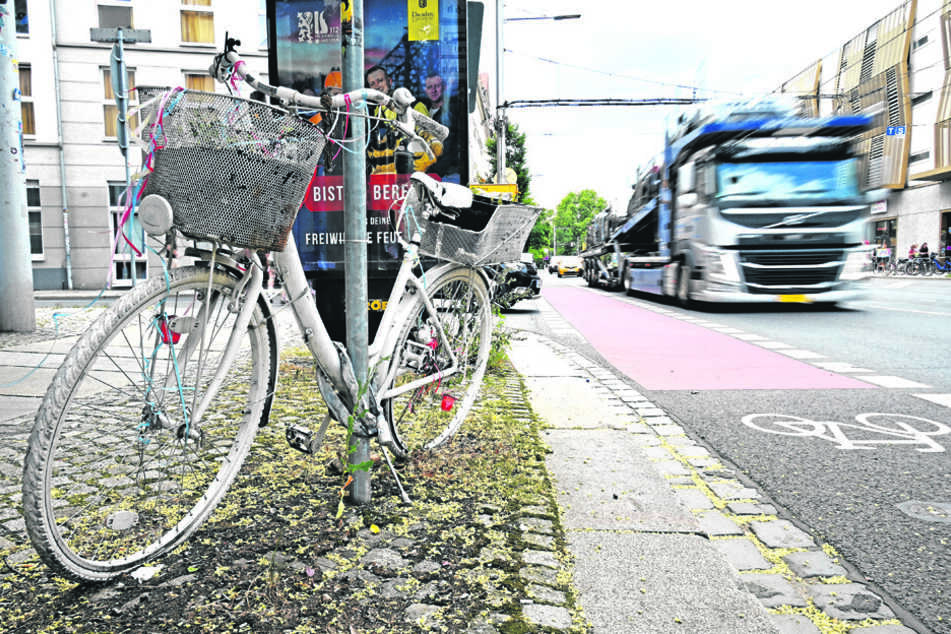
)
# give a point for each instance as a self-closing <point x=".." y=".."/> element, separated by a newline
<point x="277" y="556"/>
<point x="501" y="340"/>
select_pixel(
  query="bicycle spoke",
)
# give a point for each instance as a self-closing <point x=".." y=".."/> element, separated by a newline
<point x="116" y="473"/>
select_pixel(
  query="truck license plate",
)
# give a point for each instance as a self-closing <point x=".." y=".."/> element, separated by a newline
<point x="795" y="299"/>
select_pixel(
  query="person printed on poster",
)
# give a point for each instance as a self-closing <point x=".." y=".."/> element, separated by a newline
<point x="444" y="108"/>
<point x="384" y="142"/>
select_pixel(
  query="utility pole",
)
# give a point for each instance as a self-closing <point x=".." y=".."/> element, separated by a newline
<point x="16" y="271"/>
<point x="500" y="125"/>
<point x="355" y="234"/>
<point x="500" y="122"/>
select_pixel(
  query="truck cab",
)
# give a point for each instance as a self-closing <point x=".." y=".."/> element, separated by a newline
<point x="764" y="218"/>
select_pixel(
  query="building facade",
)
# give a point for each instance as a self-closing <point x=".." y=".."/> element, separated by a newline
<point x="899" y="70"/>
<point x="74" y="169"/>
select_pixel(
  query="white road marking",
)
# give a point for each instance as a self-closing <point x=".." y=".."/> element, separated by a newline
<point x="892" y="381"/>
<point x="875" y="428"/>
<point x="801" y="354"/>
<point x="772" y="345"/>
<point x="841" y="367"/>
<point x="749" y="337"/>
<point x="940" y="399"/>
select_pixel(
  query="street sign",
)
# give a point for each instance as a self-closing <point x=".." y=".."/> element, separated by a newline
<point x="129" y="36"/>
<point x="117" y="72"/>
<point x="895" y="130"/>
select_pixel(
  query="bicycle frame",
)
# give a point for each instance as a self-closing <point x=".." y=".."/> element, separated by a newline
<point x="330" y="362"/>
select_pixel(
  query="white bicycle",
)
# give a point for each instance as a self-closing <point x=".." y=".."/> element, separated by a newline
<point x="149" y="419"/>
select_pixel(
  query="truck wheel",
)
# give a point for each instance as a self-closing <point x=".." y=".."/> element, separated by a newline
<point x="683" y="287"/>
<point x="590" y="276"/>
<point x="625" y="280"/>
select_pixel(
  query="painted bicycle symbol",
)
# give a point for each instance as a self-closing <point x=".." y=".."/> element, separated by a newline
<point x="870" y="429"/>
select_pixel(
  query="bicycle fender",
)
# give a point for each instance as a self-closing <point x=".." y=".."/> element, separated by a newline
<point x="265" y="307"/>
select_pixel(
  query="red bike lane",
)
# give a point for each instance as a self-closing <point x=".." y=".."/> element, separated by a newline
<point x="665" y="353"/>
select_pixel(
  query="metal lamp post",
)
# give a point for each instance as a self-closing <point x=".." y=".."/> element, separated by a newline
<point x="500" y="106"/>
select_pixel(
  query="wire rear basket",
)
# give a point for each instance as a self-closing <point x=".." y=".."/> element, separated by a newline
<point x="233" y="170"/>
<point x="486" y="233"/>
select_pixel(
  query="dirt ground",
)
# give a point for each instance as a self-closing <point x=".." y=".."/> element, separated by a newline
<point x="275" y="558"/>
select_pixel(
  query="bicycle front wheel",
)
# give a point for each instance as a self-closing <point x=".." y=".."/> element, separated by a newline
<point x="118" y="471"/>
<point x="440" y="360"/>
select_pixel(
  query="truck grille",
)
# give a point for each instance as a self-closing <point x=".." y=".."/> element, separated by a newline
<point x="790" y="258"/>
<point x="755" y="218"/>
<point x="770" y="272"/>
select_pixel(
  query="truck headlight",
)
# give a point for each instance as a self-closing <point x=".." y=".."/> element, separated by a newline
<point x="720" y="264"/>
<point x="858" y="265"/>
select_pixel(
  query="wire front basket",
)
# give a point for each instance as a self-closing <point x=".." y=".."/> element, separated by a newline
<point x="233" y="170"/>
<point x="486" y="233"/>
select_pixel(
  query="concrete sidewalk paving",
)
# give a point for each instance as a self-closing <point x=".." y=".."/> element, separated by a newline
<point x="642" y="561"/>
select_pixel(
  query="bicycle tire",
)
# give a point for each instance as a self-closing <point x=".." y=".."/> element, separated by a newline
<point x="115" y="474"/>
<point x="417" y="417"/>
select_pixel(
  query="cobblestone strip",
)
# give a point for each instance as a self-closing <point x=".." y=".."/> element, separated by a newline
<point x="799" y="581"/>
<point x="545" y="571"/>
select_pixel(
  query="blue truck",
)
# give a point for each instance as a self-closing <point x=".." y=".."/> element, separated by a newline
<point x="748" y="203"/>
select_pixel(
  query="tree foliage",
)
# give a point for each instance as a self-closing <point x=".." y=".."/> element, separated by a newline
<point x="572" y="217"/>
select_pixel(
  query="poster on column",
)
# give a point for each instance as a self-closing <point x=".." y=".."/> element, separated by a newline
<point x="416" y="44"/>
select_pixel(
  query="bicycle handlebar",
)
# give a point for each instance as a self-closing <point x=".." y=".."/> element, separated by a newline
<point x="408" y="120"/>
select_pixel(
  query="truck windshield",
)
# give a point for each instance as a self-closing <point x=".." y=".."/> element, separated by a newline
<point x="783" y="180"/>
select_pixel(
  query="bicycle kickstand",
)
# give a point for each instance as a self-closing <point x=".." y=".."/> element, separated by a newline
<point x="396" y="477"/>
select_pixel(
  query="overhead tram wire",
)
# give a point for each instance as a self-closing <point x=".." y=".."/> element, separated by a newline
<point x="558" y="103"/>
<point x="599" y="71"/>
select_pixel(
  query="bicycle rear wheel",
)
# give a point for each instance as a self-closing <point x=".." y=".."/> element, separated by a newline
<point x="116" y="472"/>
<point x="437" y="378"/>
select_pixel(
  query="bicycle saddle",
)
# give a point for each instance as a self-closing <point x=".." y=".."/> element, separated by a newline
<point x="444" y="194"/>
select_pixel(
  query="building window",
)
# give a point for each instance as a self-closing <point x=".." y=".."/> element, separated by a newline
<point x="111" y="16"/>
<point x="22" y="16"/>
<point x="887" y="231"/>
<point x="34" y="212"/>
<point x="125" y="256"/>
<point x="110" y="111"/>
<point x="198" y="22"/>
<point x="919" y="156"/>
<point x="26" y="99"/>
<point x="200" y="81"/>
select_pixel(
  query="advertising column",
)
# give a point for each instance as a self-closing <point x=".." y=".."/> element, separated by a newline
<point x="416" y="44"/>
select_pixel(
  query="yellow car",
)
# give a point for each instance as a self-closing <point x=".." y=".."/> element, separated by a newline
<point x="570" y="265"/>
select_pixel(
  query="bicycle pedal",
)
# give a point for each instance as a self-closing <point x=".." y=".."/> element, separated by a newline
<point x="302" y="439"/>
